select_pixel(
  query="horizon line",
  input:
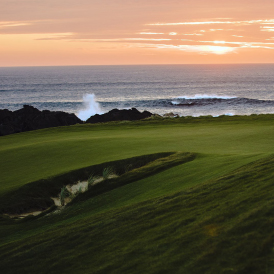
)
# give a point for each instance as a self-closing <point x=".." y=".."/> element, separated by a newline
<point x="113" y="65"/>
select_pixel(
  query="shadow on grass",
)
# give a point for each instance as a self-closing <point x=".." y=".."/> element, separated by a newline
<point x="222" y="226"/>
<point x="37" y="195"/>
<point x="136" y="174"/>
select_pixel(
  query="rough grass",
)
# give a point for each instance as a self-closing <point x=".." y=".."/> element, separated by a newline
<point x="222" y="226"/>
<point x="31" y="156"/>
<point x="213" y="214"/>
<point x="37" y="195"/>
<point x="137" y="174"/>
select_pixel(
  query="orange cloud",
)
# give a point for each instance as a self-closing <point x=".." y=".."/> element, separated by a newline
<point x="236" y="22"/>
<point x="94" y="32"/>
<point x="201" y="49"/>
<point x="269" y="29"/>
<point x="151" y="33"/>
<point x="13" y="24"/>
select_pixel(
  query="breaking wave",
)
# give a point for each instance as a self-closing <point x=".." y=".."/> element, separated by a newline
<point x="189" y="101"/>
<point x="204" y="100"/>
<point x="183" y="105"/>
<point x="91" y="107"/>
<point x="206" y="96"/>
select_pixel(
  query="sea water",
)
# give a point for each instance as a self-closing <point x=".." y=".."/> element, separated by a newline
<point x="187" y="90"/>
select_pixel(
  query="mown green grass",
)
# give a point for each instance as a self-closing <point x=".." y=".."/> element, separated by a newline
<point x="222" y="226"/>
<point x="213" y="214"/>
<point x="44" y="153"/>
<point x="172" y="180"/>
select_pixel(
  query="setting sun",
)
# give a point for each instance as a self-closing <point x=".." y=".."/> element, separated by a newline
<point x="96" y="33"/>
<point x="136" y="136"/>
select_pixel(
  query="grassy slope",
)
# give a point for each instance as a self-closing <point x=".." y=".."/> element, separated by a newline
<point x="40" y="154"/>
<point x="222" y="226"/>
<point x="126" y="229"/>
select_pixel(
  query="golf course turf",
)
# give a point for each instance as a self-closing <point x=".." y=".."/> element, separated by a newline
<point x="192" y="195"/>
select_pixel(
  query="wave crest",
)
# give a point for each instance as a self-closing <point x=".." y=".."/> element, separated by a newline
<point x="205" y="96"/>
<point x="91" y="107"/>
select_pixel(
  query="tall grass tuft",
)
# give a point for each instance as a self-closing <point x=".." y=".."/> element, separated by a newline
<point x="107" y="172"/>
<point x="64" y="194"/>
<point x="128" y="168"/>
<point x="92" y="178"/>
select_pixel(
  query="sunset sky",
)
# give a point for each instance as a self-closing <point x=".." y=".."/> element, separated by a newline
<point x="114" y="32"/>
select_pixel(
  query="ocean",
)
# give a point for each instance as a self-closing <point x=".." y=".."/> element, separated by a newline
<point x="186" y="90"/>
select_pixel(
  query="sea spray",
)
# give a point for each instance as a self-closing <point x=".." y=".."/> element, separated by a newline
<point x="91" y="107"/>
<point x="206" y="96"/>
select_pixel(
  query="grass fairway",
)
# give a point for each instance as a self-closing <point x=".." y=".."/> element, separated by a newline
<point x="210" y="214"/>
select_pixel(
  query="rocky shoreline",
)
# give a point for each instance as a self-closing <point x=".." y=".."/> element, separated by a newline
<point x="30" y="118"/>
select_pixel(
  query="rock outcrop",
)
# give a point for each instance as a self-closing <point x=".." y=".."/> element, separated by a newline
<point x="119" y="115"/>
<point x="30" y="118"/>
<point x="171" y="115"/>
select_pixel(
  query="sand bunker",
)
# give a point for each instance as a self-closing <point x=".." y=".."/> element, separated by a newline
<point x="71" y="190"/>
<point x="75" y="189"/>
<point x="24" y="215"/>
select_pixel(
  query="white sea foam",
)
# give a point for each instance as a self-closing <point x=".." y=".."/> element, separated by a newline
<point x="91" y="107"/>
<point x="175" y="102"/>
<point x="226" y="114"/>
<point x="205" y="96"/>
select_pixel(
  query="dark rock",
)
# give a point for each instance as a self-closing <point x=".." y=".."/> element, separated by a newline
<point x="171" y="115"/>
<point x="30" y="118"/>
<point x="119" y="115"/>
